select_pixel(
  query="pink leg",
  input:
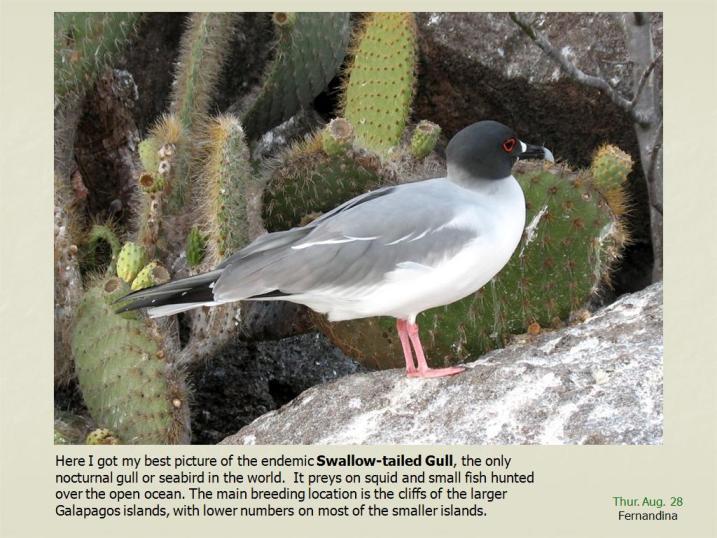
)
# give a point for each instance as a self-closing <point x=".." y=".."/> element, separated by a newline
<point x="403" y="335"/>
<point x="423" y="369"/>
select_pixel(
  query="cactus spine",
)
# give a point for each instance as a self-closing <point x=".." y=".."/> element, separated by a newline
<point x="85" y="44"/>
<point x="424" y="138"/>
<point x="309" y="180"/>
<point x="125" y="372"/>
<point x="381" y="80"/>
<point x="202" y="54"/>
<point x="226" y="179"/>
<point x="103" y="233"/>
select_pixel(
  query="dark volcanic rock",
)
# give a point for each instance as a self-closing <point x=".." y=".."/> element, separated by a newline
<point x="247" y="380"/>
<point x="477" y="66"/>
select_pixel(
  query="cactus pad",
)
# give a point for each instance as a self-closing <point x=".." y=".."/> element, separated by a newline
<point x="151" y="274"/>
<point x="380" y="83"/>
<point x="309" y="50"/>
<point x="124" y="370"/>
<point x="308" y="181"/>
<point x="424" y="139"/>
<point x="130" y="261"/>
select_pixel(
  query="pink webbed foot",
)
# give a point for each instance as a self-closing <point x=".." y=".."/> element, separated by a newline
<point x="408" y="331"/>
<point x="436" y="372"/>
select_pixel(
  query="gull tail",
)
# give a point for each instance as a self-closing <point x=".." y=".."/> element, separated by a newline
<point x="173" y="297"/>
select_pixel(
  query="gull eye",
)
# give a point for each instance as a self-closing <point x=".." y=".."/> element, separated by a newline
<point x="509" y="144"/>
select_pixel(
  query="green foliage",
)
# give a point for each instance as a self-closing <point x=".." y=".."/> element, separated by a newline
<point x="125" y="372"/>
<point x="85" y="45"/>
<point x="381" y="80"/>
<point x="309" y="50"/>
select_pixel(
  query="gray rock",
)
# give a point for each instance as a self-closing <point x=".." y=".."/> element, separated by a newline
<point x="598" y="382"/>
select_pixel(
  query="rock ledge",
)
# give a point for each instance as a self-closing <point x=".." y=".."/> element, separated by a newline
<point x="599" y="382"/>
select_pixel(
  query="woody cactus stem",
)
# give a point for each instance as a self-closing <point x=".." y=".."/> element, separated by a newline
<point x="68" y="281"/>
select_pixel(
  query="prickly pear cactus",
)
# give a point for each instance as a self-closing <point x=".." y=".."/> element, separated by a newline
<point x="381" y="80"/>
<point x="309" y="50"/>
<point x="152" y="274"/>
<point x="610" y="168"/>
<point x="307" y="180"/>
<point x="130" y="261"/>
<point x="227" y="179"/>
<point x="101" y="436"/>
<point x="160" y="157"/>
<point x="571" y="238"/>
<point x="196" y="245"/>
<point x="424" y="138"/>
<point x="85" y="44"/>
<point x="125" y="371"/>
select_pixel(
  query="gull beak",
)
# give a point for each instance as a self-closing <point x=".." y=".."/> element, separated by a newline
<point x="535" y="152"/>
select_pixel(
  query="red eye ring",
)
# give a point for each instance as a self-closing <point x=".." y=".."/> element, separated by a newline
<point x="509" y="144"/>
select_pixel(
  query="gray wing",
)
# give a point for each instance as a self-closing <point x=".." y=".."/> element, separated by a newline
<point x="351" y="248"/>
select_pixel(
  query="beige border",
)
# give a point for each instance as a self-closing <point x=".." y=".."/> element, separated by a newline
<point x="576" y="483"/>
